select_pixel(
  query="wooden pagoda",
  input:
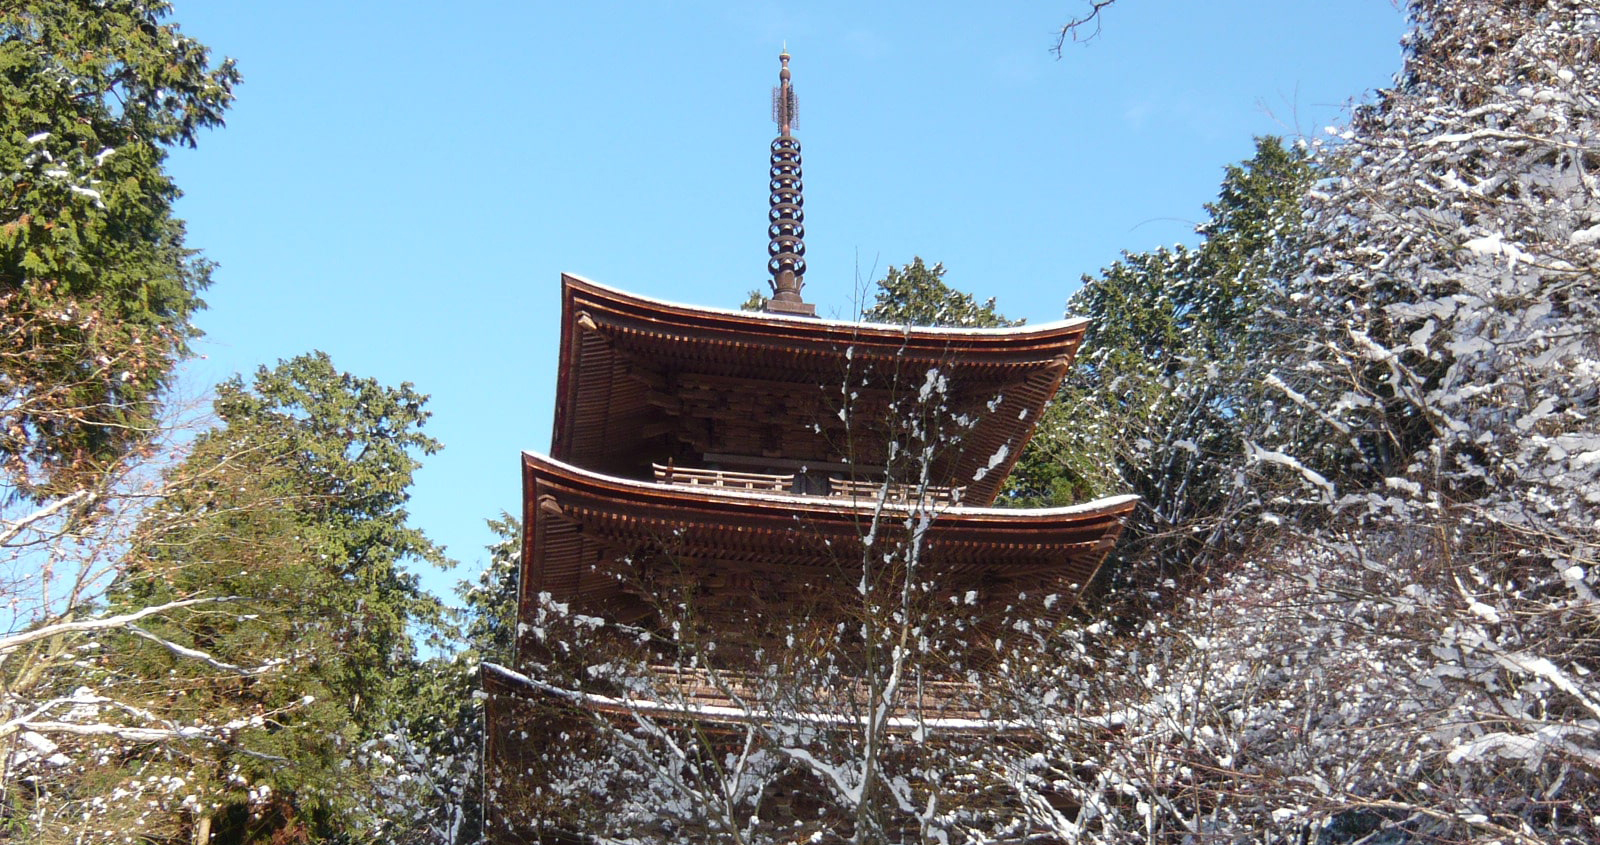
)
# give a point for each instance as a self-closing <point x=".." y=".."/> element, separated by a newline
<point x="754" y="465"/>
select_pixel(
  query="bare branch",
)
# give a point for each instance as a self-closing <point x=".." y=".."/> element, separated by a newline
<point x="138" y="734"/>
<point x="128" y="732"/>
<point x="13" y="642"/>
<point x="1072" y="29"/>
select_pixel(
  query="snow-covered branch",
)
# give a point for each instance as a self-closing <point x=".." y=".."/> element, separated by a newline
<point x="203" y="657"/>
<point x="11" y="643"/>
<point x="11" y="530"/>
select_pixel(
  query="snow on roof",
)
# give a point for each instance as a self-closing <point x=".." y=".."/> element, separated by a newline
<point x="789" y="499"/>
<point x="1040" y="328"/>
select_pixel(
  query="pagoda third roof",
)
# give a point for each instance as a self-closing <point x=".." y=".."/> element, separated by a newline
<point x="628" y="362"/>
<point x="1004" y="346"/>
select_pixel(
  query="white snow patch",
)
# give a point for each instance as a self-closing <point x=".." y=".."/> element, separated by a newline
<point x="1495" y="244"/>
<point x="994" y="460"/>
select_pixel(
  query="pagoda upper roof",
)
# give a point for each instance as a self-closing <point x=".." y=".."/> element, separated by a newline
<point x="640" y="374"/>
<point x="582" y="523"/>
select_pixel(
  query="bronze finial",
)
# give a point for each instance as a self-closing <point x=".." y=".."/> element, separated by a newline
<point x="786" y="220"/>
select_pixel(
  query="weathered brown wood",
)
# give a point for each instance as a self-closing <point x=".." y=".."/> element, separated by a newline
<point x="576" y="548"/>
<point x="726" y="698"/>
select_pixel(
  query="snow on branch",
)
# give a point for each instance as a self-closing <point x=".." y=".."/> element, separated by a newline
<point x="13" y="642"/>
<point x="1267" y="456"/>
<point x="12" y="529"/>
<point x="203" y="657"/>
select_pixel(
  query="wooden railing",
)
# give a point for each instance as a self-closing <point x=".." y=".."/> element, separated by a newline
<point x="769" y="483"/>
<point x="725" y="479"/>
<point x="842" y="700"/>
<point x="896" y="492"/>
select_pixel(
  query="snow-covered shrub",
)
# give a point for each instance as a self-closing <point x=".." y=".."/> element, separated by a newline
<point x="1446" y="348"/>
<point x="1406" y="650"/>
<point x="1435" y="403"/>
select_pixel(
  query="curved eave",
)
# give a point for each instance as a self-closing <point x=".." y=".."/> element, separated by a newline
<point x="577" y="517"/>
<point x="764" y="327"/>
<point x="785" y="509"/>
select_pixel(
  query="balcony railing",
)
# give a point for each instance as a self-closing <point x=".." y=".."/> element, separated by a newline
<point x="836" y="488"/>
<point x="724" y="479"/>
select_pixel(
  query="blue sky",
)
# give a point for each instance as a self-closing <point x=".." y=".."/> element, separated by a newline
<point x="401" y="184"/>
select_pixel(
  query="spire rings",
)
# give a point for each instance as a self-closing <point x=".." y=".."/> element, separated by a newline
<point x="786" y="217"/>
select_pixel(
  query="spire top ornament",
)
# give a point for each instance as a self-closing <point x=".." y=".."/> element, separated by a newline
<point x="786" y="250"/>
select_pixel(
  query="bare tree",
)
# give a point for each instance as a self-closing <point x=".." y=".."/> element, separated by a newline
<point x="68" y="712"/>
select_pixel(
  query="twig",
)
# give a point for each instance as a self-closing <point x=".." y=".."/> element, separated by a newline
<point x="1070" y="28"/>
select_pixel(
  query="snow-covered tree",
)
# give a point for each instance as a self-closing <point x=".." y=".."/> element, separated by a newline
<point x="1404" y="652"/>
<point x="1450" y="303"/>
<point x="1438" y="403"/>
<point x="1404" y="649"/>
<point x="97" y="285"/>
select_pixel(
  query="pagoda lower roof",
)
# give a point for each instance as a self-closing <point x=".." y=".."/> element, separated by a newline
<point x="581" y="523"/>
<point x="639" y="376"/>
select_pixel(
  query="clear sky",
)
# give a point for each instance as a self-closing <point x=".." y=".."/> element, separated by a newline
<point x="401" y="184"/>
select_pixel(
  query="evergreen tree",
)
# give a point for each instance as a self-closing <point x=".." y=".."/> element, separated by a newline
<point x="491" y="603"/>
<point x="1160" y="396"/>
<point x="916" y="295"/>
<point x="444" y="733"/>
<point x="97" y="286"/>
<point x="291" y="517"/>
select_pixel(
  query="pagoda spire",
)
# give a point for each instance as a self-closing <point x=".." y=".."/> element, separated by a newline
<point x="786" y="219"/>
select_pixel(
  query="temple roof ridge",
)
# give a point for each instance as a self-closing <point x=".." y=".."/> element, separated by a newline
<point x="834" y="322"/>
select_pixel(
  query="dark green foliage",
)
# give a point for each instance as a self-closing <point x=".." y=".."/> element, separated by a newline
<point x="916" y="295"/>
<point x="296" y="507"/>
<point x="1067" y="461"/>
<point x="448" y="718"/>
<point x="1161" y="393"/>
<point x="96" y="284"/>
<point x="491" y="603"/>
<point x="1060" y="467"/>
<point x="440" y="735"/>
